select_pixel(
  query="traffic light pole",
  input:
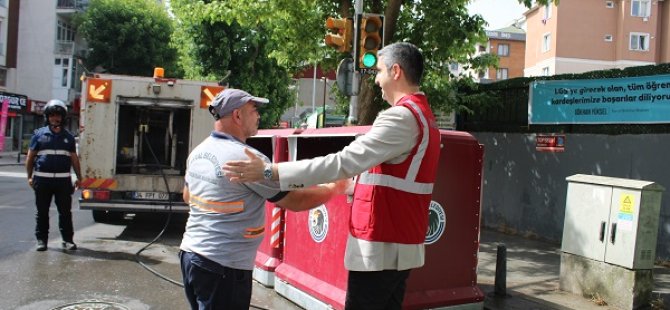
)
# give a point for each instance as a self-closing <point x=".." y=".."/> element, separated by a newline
<point x="356" y="80"/>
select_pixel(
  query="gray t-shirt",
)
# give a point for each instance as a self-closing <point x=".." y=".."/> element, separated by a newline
<point x="226" y="221"/>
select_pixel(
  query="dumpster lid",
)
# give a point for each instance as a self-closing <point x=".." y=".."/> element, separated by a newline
<point x="281" y="132"/>
<point x="617" y="182"/>
<point x="349" y="131"/>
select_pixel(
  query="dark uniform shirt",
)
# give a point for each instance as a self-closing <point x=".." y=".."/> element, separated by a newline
<point x="52" y="153"/>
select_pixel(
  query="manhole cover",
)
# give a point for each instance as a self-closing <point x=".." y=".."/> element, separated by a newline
<point x="92" y="305"/>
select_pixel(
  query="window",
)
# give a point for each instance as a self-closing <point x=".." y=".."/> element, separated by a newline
<point x="453" y="66"/>
<point x="608" y="38"/>
<point x="503" y="49"/>
<point x="3" y="76"/>
<point x="545" y="71"/>
<point x="609" y="4"/>
<point x="547" y="11"/>
<point x="482" y="48"/>
<point x="63" y="65"/>
<point x="501" y="73"/>
<point x="546" y="42"/>
<point x="64" y="32"/>
<point x="2" y="44"/>
<point x="639" y="41"/>
<point x="640" y="8"/>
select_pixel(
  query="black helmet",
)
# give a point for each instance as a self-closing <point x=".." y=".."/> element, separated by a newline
<point x="55" y="106"/>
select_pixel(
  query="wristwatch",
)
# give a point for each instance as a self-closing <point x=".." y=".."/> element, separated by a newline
<point x="267" y="172"/>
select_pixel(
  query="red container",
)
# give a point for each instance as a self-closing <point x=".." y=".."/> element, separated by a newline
<point x="273" y="143"/>
<point x="312" y="273"/>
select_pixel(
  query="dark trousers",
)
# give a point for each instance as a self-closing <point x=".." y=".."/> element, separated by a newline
<point x="210" y="286"/>
<point x="370" y="290"/>
<point x="62" y="192"/>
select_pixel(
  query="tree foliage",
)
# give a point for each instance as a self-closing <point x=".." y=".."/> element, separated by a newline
<point x="290" y="33"/>
<point x="128" y="36"/>
<point x="228" y="40"/>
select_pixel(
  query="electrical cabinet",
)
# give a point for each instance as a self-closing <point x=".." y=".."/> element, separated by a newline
<point x="612" y="220"/>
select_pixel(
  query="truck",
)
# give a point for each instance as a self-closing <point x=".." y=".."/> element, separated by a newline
<point x="135" y="134"/>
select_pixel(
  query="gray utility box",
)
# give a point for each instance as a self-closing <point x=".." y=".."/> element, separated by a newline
<point x="609" y="238"/>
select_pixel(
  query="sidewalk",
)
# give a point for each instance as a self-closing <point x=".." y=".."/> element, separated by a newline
<point x="533" y="276"/>
<point x="10" y="158"/>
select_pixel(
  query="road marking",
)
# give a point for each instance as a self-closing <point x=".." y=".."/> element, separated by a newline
<point x="13" y="174"/>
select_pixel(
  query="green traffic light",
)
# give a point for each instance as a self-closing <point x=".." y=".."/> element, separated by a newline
<point x="369" y="60"/>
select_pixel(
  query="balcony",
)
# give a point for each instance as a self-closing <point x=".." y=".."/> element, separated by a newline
<point x="64" y="48"/>
<point x="68" y="7"/>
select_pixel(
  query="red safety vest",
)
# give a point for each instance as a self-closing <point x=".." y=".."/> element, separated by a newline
<point x="391" y="200"/>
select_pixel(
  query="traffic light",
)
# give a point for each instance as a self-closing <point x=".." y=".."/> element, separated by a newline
<point x="370" y="40"/>
<point x="342" y="38"/>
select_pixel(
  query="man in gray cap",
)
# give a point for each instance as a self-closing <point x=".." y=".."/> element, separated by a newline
<point x="227" y="220"/>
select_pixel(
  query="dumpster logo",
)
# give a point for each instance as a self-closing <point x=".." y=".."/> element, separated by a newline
<point x="437" y="220"/>
<point x="318" y="223"/>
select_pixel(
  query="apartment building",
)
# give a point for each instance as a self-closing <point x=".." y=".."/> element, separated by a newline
<point x="509" y="43"/>
<point x="39" y="61"/>
<point x="16" y="102"/>
<point x="585" y="35"/>
<point x="49" y="51"/>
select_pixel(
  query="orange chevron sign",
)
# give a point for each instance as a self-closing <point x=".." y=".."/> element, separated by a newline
<point x="207" y="94"/>
<point x="99" y="90"/>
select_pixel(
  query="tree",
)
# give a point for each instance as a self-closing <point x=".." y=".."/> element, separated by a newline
<point x="295" y="28"/>
<point x="217" y="43"/>
<point x="128" y="36"/>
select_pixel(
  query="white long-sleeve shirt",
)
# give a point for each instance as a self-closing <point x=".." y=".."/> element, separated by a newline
<point x="391" y="139"/>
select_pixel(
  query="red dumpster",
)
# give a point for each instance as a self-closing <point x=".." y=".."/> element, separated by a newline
<point x="312" y="272"/>
<point x="272" y="143"/>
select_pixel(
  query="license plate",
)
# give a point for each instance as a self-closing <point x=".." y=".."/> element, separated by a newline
<point x="150" y="195"/>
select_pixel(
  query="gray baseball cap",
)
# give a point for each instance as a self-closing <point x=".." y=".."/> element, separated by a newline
<point x="230" y="99"/>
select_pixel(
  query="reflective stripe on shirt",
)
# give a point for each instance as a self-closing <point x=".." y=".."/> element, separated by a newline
<point x="423" y="145"/>
<point x="395" y="183"/>
<point x="52" y="175"/>
<point x="53" y="152"/>
<point x="217" y="206"/>
<point x="254" y="232"/>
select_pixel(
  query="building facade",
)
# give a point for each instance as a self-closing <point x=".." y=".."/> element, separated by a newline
<point x="17" y="104"/>
<point x="579" y="36"/>
<point x="509" y="44"/>
<point x="39" y="61"/>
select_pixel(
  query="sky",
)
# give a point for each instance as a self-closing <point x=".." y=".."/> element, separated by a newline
<point x="498" y="13"/>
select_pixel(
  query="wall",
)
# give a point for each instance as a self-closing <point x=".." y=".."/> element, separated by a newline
<point x="37" y="30"/>
<point x="524" y="190"/>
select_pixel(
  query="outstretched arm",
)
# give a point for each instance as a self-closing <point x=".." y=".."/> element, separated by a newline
<point x="312" y="197"/>
<point x="250" y="170"/>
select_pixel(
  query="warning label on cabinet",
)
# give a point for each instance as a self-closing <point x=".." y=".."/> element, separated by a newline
<point x="626" y="212"/>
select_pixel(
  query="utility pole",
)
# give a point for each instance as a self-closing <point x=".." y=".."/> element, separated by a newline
<point x="356" y="80"/>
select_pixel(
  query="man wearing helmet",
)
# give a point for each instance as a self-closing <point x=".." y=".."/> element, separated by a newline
<point x="51" y="155"/>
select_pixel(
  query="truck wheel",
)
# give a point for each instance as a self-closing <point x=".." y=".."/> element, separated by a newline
<point x="107" y="217"/>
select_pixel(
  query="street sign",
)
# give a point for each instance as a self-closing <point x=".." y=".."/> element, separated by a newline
<point x="345" y="76"/>
<point x="550" y="143"/>
<point x="207" y="94"/>
<point x="99" y="90"/>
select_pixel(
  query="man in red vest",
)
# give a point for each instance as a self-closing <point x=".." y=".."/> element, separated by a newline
<point x="397" y="163"/>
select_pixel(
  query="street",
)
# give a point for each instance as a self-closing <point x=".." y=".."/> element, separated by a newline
<point x="103" y="269"/>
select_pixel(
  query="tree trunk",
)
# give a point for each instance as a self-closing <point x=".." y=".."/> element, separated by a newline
<point x="367" y="110"/>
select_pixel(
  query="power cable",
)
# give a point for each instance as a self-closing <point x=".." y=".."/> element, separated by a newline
<point x="167" y="222"/>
